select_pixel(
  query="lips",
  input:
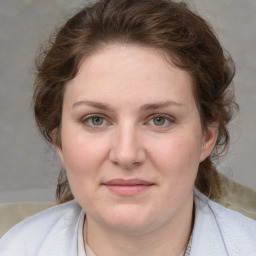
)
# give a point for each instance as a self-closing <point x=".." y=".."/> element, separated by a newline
<point x="130" y="182"/>
<point x="129" y="187"/>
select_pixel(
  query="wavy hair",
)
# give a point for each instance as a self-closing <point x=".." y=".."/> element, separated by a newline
<point x="183" y="35"/>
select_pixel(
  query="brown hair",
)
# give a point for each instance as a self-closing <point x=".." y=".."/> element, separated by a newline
<point x="186" y="38"/>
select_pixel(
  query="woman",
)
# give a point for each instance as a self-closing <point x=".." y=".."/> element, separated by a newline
<point x="135" y="97"/>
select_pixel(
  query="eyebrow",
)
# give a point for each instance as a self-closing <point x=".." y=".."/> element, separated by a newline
<point x="93" y="104"/>
<point x="143" y="108"/>
<point x="153" y="106"/>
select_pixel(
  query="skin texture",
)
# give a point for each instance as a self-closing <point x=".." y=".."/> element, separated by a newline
<point x="146" y="126"/>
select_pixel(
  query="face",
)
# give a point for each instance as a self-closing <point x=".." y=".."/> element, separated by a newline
<point x="132" y="139"/>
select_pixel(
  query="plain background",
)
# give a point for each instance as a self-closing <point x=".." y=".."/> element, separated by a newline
<point x="28" y="167"/>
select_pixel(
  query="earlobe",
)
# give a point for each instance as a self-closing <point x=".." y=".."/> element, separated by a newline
<point x="59" y="151"/>
<point x="57" y="142"/>
<point x="209" y="141"/>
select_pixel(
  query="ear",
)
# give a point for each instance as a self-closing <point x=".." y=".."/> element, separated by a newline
<point x="56" y="138"/>
<point x="209" y="141"/>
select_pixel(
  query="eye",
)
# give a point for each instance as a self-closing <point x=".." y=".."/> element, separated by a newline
<point x="94" y="121"/>
<point x="161" y="121"/>
<point x="97" y="120"/>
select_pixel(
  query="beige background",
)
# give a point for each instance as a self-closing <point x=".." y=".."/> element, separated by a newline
<point x="28" y="168"/>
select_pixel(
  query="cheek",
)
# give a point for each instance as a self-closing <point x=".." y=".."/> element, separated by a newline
<point x="81" y="154"/>
<point x="82" y="158"/>
<point x="178" y="155"/>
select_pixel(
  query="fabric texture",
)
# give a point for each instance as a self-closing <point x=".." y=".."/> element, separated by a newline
<point x="50" y="233"/>
<point x="237" y="197"/>
<point x="13" y="213"/>
<point x="217" y="232"/>
<point x="220" y="231"/>
<point x="83" y="250"/>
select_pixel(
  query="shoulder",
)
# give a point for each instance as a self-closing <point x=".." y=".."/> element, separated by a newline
<point x="232" y="220"/>
<point x="42" y="231"/>
<point x="222" y="229"/>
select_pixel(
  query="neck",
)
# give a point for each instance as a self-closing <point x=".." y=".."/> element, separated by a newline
<point x="170" y="239"/>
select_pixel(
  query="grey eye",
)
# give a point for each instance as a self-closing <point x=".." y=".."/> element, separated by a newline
<point x="159" y="121"/>
<point x="97" y="120"/>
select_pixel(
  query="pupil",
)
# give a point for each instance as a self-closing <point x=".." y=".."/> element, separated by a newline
<point x="97" y="120"/>
<point x="159" y="121"/>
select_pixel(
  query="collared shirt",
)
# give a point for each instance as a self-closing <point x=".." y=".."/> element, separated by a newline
<point x="217" y="231"/>
<point x="83" y="250"/>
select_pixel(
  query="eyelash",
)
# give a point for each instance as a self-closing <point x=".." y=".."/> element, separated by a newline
<point x="167" y="118"/>
<point x="89" y="118"/>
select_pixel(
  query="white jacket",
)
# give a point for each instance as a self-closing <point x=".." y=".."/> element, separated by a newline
<point x="217" y="232"/>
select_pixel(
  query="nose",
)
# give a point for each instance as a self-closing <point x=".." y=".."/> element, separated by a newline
<point x="127" y="149"/>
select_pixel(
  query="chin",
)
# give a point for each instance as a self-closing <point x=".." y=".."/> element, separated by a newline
<point x="129" y="219"/>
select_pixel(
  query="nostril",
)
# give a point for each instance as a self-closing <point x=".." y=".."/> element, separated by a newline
<point x="126" y="161"/>
<point x="115" y="163"/>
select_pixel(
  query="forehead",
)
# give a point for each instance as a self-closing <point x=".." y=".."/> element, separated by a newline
<point x="121" y="71"/>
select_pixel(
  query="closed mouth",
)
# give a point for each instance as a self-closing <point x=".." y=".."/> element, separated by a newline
<point x="129" y="182"/>
<point x="130" y="187"/>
